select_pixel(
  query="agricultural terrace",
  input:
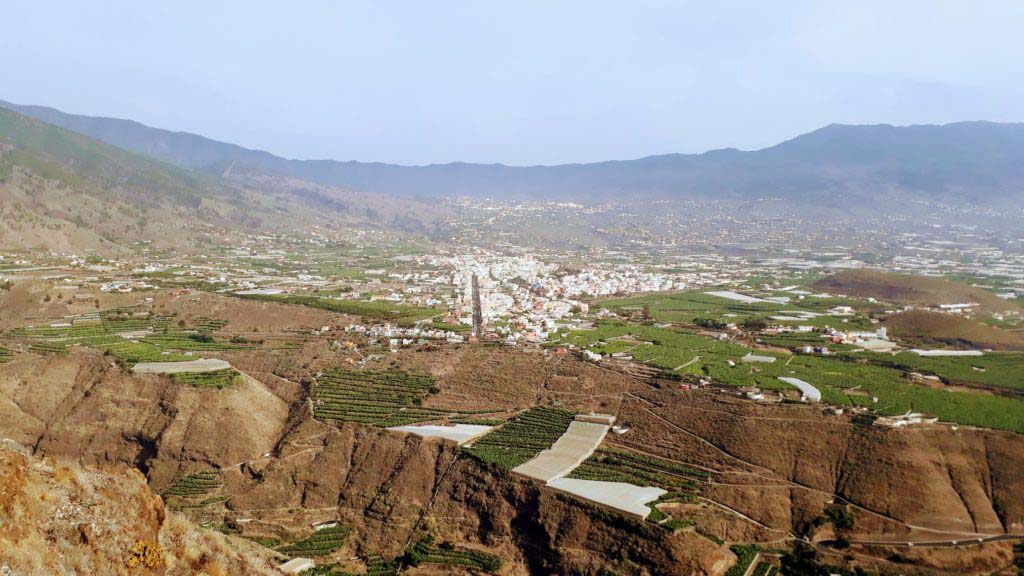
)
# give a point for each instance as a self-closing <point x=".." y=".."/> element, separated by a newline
<point x="997" y="369"/>
<point x="152" y="338"/>
<point x="373" y="309"/>
<point x="688" y="306"/>
<point x="320" y="543"/>
<point x="377" y="566"/>
<point x="383" y="399"/>
<point x="616" y="465"/>
<point x="764" y="569"/>
<point x="214" y="379"/>
<point x="522" y="438"/>
<point x="745" y="556"/>
<point x="48" y="348"/>
<point x="426" y="552"/>
<point x="843" y="381"/>
<point x="193" y="485"/>
<point x="5" y="355"/>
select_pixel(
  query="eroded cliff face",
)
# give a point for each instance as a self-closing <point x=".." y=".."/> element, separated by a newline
<point x="779" y="465"/>
<point x="796" y="458"/>
<point x="66" y="519"/>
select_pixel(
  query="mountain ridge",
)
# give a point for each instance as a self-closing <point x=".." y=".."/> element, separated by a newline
<point x="972" y="161"/>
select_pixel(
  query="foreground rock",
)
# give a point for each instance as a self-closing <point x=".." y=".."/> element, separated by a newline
<point x="61" y="519"/>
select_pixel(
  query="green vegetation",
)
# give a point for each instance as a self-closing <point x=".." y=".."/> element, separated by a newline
<point x="213" y="379"/>
<point x="107" y="329"/>
<point x="426" y="552"/>
<point x="448" y="326"/>
<point x="702" y="309"/>
<point x="522" y="438"/>
<point x="76" y="160"/>
<point x="847" y="380"/>
<point x="745" y="555"/>
<point x="192" y="485"/>
<point x="377" y="566"/>
<point x="132" y="352"/>
<point x="48" y="348"/>
<point x="320" y="543"/>
<point x="615" y="465"/>
<point x="998" y="369"/>
<point x="5" y="355"/>
<point x="765" y="569"/>
<point x="375" y="309"/>
<point x="383" y="399"/>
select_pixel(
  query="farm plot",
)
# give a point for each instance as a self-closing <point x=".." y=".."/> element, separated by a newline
<point x="997" y="369"/>
<point x="194" y="485"/>
<point x="320" y="543"/>
<point x="616" y="465"/>
<point x="5" y="355"/>
<point x="115" y="331"/>
<point x="375" y="309"/>
<point x="215" y="379"/>
<point x="385" y="399"/>
<point x="745" y="556"/>
<point x="426" y="552"/>
<point x="47" y="348"/>
<point x="847" y="380"/>
<point x="522" y="438"/>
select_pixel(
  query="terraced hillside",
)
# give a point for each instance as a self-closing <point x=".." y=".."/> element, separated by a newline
<point x="383" y="399"/>
<point x="522" y="438"/>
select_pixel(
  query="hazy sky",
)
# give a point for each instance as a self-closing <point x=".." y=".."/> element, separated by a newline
<point x="519" y="82"/>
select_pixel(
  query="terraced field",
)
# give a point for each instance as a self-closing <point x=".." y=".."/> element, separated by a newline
<point x="745" y="556"/>
<point x="691" y="305"/>
<point x="426" y="552"/>
<point x="615" y="465"/>
<point x="383" y="399"/>
<point x="47" y="348"/>
<point x="851" y="380"/>
<point x="5" y="355"/>
<point x="192" y="485"/>
<point x="376" y="309"/>
<point x="107" y="329"/>
<point x="214" y="379"/>
<point x="320" y="543"/>
<point x="522" y="438"/>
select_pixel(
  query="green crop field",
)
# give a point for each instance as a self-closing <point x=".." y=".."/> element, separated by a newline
<point x="615" y="465"/>
<point x="998" y="369"/>
<point x="849" y="380"/>
<point x="192" y="485"/>
<point x="320" y="543"/>
<point x="522" y="438"/>
<point x="377" y="566"/>
<point x="687" y="306"/>
<point x="377" y="309"/>
<point x="5" y="355"/>
<point x="745" y="556"/>
<point x="426" y="552"/>
<point x="107" y="329"/>
<point x="213" y="379"/>
<point x="383" y="399"/>
<point x="47" y="348"/>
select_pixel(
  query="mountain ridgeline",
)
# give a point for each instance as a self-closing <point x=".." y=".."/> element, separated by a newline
<point x="975" y="162"/>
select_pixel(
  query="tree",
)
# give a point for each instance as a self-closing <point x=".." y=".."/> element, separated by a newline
<point x="755" y="323"/>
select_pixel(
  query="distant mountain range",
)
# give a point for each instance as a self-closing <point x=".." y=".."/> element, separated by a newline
<point x="977" y="162"/>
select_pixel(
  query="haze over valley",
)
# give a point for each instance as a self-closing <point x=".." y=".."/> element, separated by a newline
<point x="801" y="356"/>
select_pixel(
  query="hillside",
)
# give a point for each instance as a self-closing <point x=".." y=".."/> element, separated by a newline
<point x="63" y="191"/>
<point x="967" y="161"/>
<point x="59" y="518"/>
<point x="938" y="328"/>
<point x="912" y="290"/>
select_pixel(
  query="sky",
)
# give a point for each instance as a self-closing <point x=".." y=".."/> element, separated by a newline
<point x="519" y="82"/>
